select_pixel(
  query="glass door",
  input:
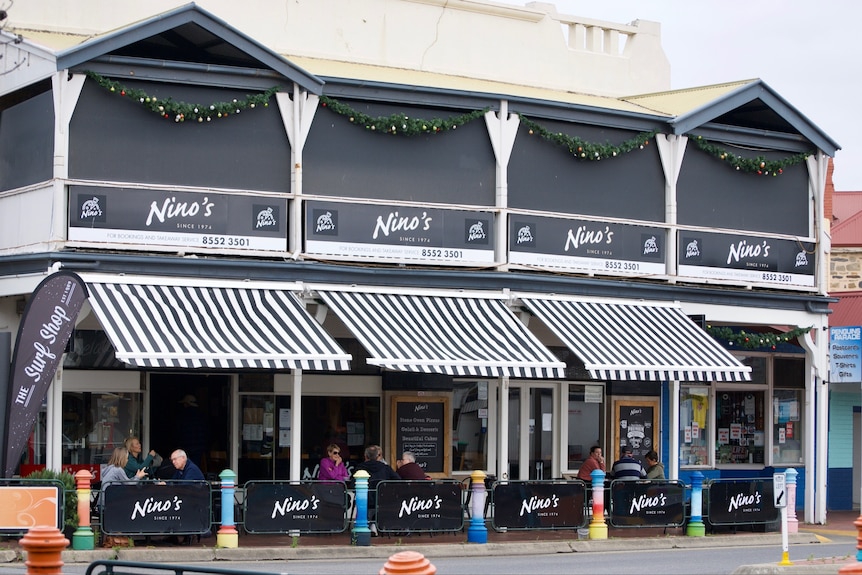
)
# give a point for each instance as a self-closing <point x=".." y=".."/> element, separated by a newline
<point x="533" y="410"/>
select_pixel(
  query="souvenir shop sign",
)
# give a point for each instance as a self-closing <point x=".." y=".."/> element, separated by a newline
<point x="845" y="354"/>
<point x="747" y="259"/>
<point x="307" y="507"/>
<point x="192" y="221"/>
<point x="151" y="508"/>
<point x="655" y="503"/>
<point x="741" y="501"/>
<point x="398" y="234"/>
<point x="539" y="505"/>
<point x="587" y="246"/>
<point x="420" y="505"/>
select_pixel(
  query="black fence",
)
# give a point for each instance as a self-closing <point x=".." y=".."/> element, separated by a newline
<point x="136" y="568"/>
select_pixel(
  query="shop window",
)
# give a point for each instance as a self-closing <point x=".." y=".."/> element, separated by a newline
<point x="265" y="437"/>
<point x="586" y="421"/>
<point x="93" y="425"/>
<point x="470" y="426"/>
<point x="695" y="418"/>
<point x="740" y="430"/>
<point x="787" y="426"/>
<point x="352" y="423"/>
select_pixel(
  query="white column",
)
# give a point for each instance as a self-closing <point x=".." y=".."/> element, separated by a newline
<point x="54" y="421"/>
<point x="502" y="130"/>
<point x="296" y="115"/>
<point x="673" y="434"/>
<point x="503" y="429"/>
<point x="66" y="92"/>
<point x="295" y="426"/>
<point x="671" y="150"/>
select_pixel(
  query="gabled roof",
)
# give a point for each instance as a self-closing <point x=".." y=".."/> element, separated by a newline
<point x="845" y="205"/>
<point x="848" y="232"/>
<point x="847" y="310"/>
<point x="750" y="104"/>
<point x="188" y="34"/>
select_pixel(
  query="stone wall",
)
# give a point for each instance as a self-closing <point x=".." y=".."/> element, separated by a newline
<point x="845" y="267"/>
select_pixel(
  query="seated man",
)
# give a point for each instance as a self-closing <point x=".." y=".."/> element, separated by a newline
<point x="408" y="468"/>
<point x="627" y="467"/>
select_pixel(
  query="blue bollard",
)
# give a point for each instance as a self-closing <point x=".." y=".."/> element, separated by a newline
<point x="361" y="532"/>
<point x="695" y="527"/>
<point x="477" y="532"/>
<point x="227" y="536"/>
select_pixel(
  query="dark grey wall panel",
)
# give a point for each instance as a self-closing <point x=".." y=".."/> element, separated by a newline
<point x="711" y="193"/>
<point x="27" y="142"/>
<point x="345" y="159"/>
<point x="545" y="176"/>
<point x="114" y="138"/>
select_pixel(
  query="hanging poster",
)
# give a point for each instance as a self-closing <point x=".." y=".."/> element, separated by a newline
<point x="635" y="426"/>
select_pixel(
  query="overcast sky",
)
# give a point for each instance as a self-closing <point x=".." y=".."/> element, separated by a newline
<point x="808" y="52"/>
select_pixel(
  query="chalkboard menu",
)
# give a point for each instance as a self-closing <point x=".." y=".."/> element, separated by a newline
<point x="420" y="427"/>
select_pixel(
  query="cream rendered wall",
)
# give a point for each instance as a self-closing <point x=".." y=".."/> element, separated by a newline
<point x="531" y="46"/>
<point x="25" y="221"/>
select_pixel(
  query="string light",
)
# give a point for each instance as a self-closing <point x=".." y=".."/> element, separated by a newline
<point x="758" y="165"/>
<point x="399" y="124"/>
<point x="584" y="150"/>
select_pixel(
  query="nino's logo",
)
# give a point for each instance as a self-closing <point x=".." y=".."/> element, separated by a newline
<point x="650" y="246"/>
<point x="325" y="223"/>
<point x="692" y="250"/>
<point x="265" y="218"/>
<point x="91" y="209"/>
<point x="801" y="260"/>
<point x="476" y="232"/>
<point x="525" y="235"/>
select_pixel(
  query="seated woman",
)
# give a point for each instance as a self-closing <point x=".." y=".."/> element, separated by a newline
<point x="115" y="472"/>
<point x="332" y="467"/>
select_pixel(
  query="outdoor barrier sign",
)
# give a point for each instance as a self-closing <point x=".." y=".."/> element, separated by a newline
<point x="539" y="505"/>
<point x="402" y="234"/>
<point x="419" y="505"/>
<point x="307" y="506"/>
<point x="649" y="503"/>
<point x="745" y="258"/>
<point x="151" y="508"/>
<point x="30" y="504"/>
<point x="740" y="501"/>
<point x="587" y="246"/>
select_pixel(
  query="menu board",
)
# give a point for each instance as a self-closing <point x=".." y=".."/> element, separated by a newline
<point x="420" y="427"/>
<point x="635" y="426"/>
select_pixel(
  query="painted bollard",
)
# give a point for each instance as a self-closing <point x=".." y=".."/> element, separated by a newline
<point x="477" y="532"/>
<point x="361" y="532"/>
<point x="408" y="563"/>
<point x="696" y="527"/>
<point x="598" y="527"/>
<point x="44" y="547"/>
<point x="227" y="535"/>
<point x="83" y="538"/>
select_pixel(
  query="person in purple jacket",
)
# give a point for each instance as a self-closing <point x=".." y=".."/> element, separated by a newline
<point x="332" y="467"/>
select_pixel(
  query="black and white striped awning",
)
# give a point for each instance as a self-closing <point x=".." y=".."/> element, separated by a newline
<point x="173" y="322"/>
<point x="637" y="342"/>
<point x="453" y="335"/>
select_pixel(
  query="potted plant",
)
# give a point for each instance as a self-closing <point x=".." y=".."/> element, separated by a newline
<point x="70" y="496"/>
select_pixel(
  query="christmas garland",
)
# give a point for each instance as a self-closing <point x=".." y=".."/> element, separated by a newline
<point x="755" y="340"/>
<point x="584" y="150"/>
<point x="399" y="124"/>
<point x="182" y="111"/>
<point x="759" y="165"/>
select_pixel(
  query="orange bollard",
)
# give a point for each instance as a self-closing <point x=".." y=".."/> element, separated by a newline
<point x="44" y="547"/>
<point x="855" y="567"/>
<point x="408" y="563"/>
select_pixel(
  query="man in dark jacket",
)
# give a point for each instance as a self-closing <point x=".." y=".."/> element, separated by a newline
<point x="379" y="471"/>
<point x="408" y="468"/>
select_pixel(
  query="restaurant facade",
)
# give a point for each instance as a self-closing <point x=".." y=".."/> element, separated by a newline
<point x="494" y="275"/>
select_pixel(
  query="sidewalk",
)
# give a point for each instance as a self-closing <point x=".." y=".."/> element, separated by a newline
<point x="279" y="547"/>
